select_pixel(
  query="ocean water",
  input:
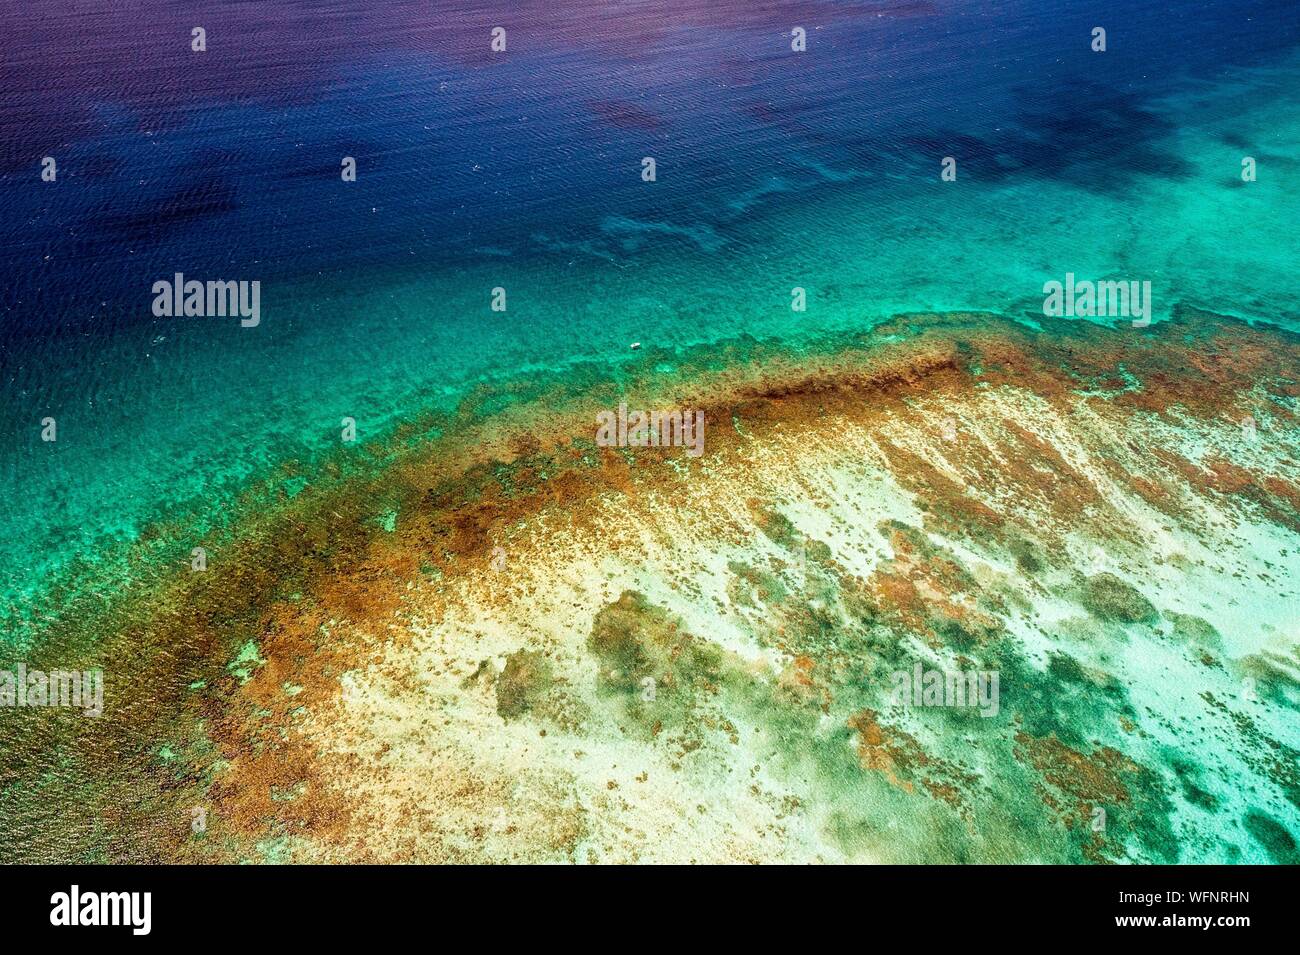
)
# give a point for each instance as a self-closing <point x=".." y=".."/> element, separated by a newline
<point x="854" y="546"/>
<point x="521" y="169"/>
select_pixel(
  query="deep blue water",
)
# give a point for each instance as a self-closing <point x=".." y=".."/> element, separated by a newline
<point x="226" y="163"/>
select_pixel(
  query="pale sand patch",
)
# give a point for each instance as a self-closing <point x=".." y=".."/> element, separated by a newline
<point x="447" y="778"/>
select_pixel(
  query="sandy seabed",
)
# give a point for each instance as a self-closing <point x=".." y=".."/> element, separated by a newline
<point x="487" y="639"/>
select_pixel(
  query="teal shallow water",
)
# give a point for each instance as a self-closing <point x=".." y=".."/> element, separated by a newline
<point x="182" y="414"/>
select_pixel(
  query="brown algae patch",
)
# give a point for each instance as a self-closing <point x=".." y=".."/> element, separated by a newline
<point x="1113" y="599"/>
